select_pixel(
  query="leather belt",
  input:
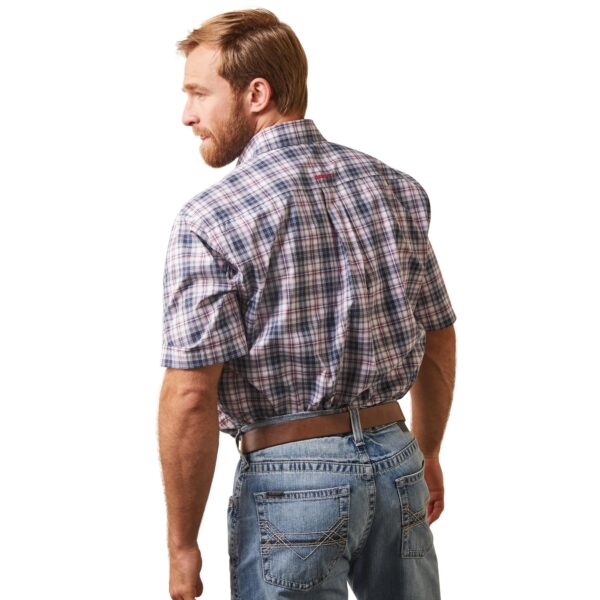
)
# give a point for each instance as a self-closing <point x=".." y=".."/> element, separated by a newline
<point x="319" y="425"/>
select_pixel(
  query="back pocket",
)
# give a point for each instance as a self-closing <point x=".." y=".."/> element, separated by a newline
<point x="417" y="537"/>
<point x="303" y="533"/>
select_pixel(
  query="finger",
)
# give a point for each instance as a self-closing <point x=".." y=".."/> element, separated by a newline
<point x="431" y="518"/>
<point x="434" y="510"/>
<point x="185" y="595"/>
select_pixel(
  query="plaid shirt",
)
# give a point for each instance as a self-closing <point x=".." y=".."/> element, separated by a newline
<point x="308" y="271"/>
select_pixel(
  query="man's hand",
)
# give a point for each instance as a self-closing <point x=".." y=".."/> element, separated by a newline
<point x="435" y="482"/>
<point x="184" y="579"/>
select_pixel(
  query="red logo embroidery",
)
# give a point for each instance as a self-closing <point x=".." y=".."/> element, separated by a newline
<point x="321" y="175"/>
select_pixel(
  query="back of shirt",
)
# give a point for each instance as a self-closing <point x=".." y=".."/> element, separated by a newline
<point x="308" y="271"/>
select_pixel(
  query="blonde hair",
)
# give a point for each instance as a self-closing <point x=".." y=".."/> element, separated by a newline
<point x="255" y="43"/>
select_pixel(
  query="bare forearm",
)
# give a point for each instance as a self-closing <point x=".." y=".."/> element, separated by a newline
<point x="188" y="439"/>
<point x="431" y="394"/>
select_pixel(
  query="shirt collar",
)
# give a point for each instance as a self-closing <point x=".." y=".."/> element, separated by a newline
<point x="287" y="133"/>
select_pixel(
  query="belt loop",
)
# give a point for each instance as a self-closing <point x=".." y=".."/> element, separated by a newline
<point x="402" y="425"/>
<point x="356" y="426"/>
<point x="243" y="458"/>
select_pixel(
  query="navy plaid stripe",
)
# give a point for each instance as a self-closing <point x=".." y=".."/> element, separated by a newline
<point x="308" y="271"/>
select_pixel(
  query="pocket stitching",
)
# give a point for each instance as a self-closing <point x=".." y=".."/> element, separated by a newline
<point x="340" y="528"/>
<point x="412" y="518"/>
<point x="322" y="541"/>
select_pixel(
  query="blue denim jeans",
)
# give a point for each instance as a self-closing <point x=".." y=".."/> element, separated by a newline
<point x="309" y="517"/>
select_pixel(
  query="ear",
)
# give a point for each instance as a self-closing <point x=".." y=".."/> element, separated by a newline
<point x="259" y="94"/>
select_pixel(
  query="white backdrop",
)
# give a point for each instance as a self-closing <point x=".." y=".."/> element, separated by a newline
<point x="492" y="106"/>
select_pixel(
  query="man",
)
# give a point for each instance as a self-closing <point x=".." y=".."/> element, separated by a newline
<point x="302" y="300"/>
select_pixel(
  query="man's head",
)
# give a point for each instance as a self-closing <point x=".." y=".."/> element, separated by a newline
<point x="244" y="71"/>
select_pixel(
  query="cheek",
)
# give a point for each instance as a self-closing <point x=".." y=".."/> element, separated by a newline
<point x="212" y="114"/>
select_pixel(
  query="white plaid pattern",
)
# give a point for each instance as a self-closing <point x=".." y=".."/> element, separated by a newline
<point x="308" y="271"/>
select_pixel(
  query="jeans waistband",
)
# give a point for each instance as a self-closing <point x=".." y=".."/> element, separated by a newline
<point x="305" y="414"/>
<point x="301" y="415"/>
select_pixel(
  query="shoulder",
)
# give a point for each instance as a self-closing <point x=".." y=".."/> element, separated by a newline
<point x="242" y="192"/>
<point x="404" y="190"/>
<point x="362" y="162"/>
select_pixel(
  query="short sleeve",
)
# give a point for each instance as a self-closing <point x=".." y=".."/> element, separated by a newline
<point x="433" y="309"/>
<point x="202" y="323"/>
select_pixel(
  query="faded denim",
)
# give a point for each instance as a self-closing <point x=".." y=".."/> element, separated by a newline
<point x="307" y="518"/>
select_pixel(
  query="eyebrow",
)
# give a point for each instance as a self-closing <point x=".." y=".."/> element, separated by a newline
<point x="193" y="87"/>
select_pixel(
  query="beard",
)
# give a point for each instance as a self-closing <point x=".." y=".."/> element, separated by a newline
<point x="228" y="139"/>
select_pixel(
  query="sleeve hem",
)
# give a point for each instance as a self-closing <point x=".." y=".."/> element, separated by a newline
<point x="440" y="324"/>
<point x="181" y="358"/>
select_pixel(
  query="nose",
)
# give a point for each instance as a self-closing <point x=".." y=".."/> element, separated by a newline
<point x="189" y="117"/>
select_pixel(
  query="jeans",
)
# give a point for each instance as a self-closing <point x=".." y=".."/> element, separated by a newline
<point x="309" y="517"/>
